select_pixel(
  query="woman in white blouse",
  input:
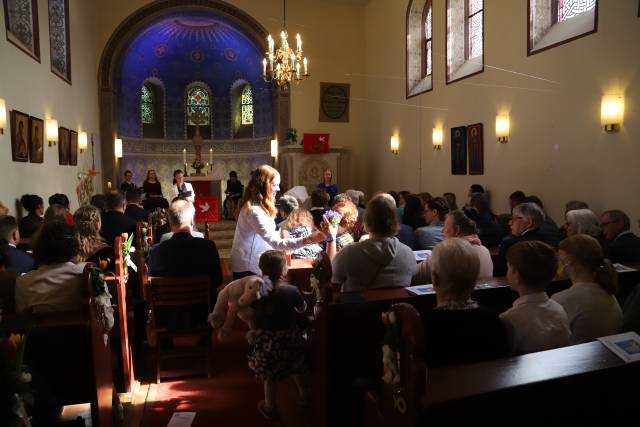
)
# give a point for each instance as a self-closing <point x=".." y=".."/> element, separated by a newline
<point x="256" y="227"/>
<point x="590" y="302"/>
<point x="182" y="189"/>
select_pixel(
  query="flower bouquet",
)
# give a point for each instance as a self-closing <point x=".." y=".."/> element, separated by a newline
<point x="292" y="136"/>
<point x="320" y="280"/>
<point x="333" y="217"/>
<point x="127" y="250"/>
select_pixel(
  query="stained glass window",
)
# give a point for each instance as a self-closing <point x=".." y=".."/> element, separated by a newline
<point x="428" y="58"/>
<point x="568" y="9"/>
<point x="198" y="106"/>
<point x="474" y="23"/>
<point x="147" y="110"/>
<point x="247" y="106"/>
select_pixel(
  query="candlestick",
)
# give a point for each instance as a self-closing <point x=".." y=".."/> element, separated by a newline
<point x="264" y="68"/>
<point x="210" y="155"/>
<point x="271" y="44"/>
<point x="298" y="70"/>
<point x="298" y="41"/>
<point x="184" y="156"/>
<point x="305" y="62"/>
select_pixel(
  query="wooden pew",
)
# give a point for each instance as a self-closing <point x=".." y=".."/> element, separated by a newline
<point x="142" y="243"/>
<point x="526" y="390"/>
<point x="124" y="376"/>
<point x="349" y="334"/>
<point x="69" y="352"/>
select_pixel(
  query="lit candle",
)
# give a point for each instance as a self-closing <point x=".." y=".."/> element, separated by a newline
<point x="283" y="36"/>
<point x="211" y="155"/>
<point x="306" y="71"/>
<point x="271" y="43"/>
<point x="109" y="185"/>
<point x="293" y="59"/>
<point x="298" y="70"/>
<point x="184" y="156"/>
<point x="299" y="41"/>
<point x="264" y="68"/>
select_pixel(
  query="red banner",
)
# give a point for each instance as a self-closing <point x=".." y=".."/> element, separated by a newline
<point x="316" y="143"/>
<point x="206" y="208"/>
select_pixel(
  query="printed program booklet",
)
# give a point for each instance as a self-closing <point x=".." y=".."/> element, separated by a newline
<point x="421" y="290"/>
<point x="422" y="254"/>
<point x="621" y="268"/>
<point x="626" y="345"/>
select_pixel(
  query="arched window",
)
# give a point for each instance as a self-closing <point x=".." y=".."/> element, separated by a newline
<point x="465" y="38"/>
<point x="247" y="106"/>
<point x="198" y="106"/>
<point x="147" y="107"/>
<point x="419" y="47"/>
<point x="553" y="22"/>
<point x="152" y="108"/>
<point x="198" y="110"/>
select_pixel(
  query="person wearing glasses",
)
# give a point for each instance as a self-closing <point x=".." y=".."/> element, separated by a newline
<point x="622" y="245"/>
<point x="525" y="225"/>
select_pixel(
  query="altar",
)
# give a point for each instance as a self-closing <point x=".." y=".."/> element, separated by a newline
<point x="298" y="168"/>
<point x="207" y="185"/>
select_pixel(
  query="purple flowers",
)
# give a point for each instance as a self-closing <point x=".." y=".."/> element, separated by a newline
<point x="333" y="217"/>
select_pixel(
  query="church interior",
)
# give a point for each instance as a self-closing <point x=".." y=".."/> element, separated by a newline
<point x="386" y="153"/>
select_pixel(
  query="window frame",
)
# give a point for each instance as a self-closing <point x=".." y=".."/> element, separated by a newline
<point x="425" y="42"/>
<point x="466" y="41"/>
<point x="188" y="90"/>
<point x="555" y="18"/>
<point x="242" y="104"/>
<point x="408" y="94"/>
<point x="152" y="91"/>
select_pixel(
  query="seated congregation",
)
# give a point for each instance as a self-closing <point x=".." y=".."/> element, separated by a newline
<point x="563" y="289"/>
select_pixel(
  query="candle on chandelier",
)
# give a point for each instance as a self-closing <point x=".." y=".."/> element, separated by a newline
<point x="210" y="155"/>
<point x="264" y="68"/>
<point x="298" y="70"/>
<point x="184" y="156"/>
<point x="293" y="59"/>
<point x="271" y="43"/>
<point x="306" y="70"/>
<point x="298" y="41"/>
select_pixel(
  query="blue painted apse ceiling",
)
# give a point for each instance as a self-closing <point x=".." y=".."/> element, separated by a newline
<point x="179" y="49"/>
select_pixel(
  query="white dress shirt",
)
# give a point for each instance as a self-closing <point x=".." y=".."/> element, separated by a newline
<point x="188" y="187"/>
<point x="536" y="323"/>
<point x="255" y="234"/>
<point x="591" y="310"/>
<point x="51" y="288"/>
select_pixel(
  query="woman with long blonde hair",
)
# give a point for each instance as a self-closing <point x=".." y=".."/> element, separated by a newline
<point x="590" y="302"/>
<point x="256" y="228"/>
<point x="87" y="223"/>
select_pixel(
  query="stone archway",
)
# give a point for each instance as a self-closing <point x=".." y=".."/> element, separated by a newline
<point x="124" y="34"/>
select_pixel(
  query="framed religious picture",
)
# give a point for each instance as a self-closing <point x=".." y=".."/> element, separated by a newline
<point x="21" y="23"/>
<point x="334" y="102"/>
<point x="19" y="136"/>
<point x="475" y="149"/>
<point x="73" y="148"/>
<point x="63" y="146"/>
<point x="59" y="40"/>
<point x="36" y="140"/>
<point x="459" y="150"/>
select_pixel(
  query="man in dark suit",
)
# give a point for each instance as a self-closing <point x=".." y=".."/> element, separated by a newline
<point x="525" y="223"/>
<point x="623" y="246"/>
<point x="127" y="185"/>
<point x="18" y="261"/>
<point x="114" y="221"/>
<point x="134" y="209"/>
<point x="183" y="254"/>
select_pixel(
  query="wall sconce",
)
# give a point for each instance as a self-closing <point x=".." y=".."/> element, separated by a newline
<point x="274" y="148"/>
<point x="502" y="128"/>
<point x="612" y="112"/>
<point x="118" y="148"/>
<point x="3" y="116"/>
<point x="395" y="144"/>
<point x="52" y="131"/>
<point x="82" y="141"/>
<point x="437" y="138"/>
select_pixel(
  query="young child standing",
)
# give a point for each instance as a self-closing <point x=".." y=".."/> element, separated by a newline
<point x="535" y="322"/>
<point x="277" y="343"/>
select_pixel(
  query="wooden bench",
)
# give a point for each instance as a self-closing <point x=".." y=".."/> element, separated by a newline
<point x="575" y="384"/>
<point x="69" y="351"/>
<point x="346" y="347"/>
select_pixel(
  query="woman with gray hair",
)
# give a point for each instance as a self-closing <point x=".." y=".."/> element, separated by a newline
<point x="584" y="221"/>
<point x="458" y="330"/>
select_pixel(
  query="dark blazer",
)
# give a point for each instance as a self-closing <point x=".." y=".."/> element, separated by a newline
<point x="137" y="213"/>
<point x="500" y="263"/>
<point x="624" y="248"/>
<point x="185" y="255"/>
<point x="125" y="186"/>
<point x="29" y="225"/>
<point x="455" y="337"/>
<point x="19" y="261"/>
<point x="115" y="223"/>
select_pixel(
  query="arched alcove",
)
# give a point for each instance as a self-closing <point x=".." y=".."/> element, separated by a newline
<point x="136" y="47"/>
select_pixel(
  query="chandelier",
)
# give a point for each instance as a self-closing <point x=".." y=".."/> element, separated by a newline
<point x="284" y="64"/>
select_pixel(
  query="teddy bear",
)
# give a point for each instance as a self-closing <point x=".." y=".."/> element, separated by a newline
<point x="235" y="299"/>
